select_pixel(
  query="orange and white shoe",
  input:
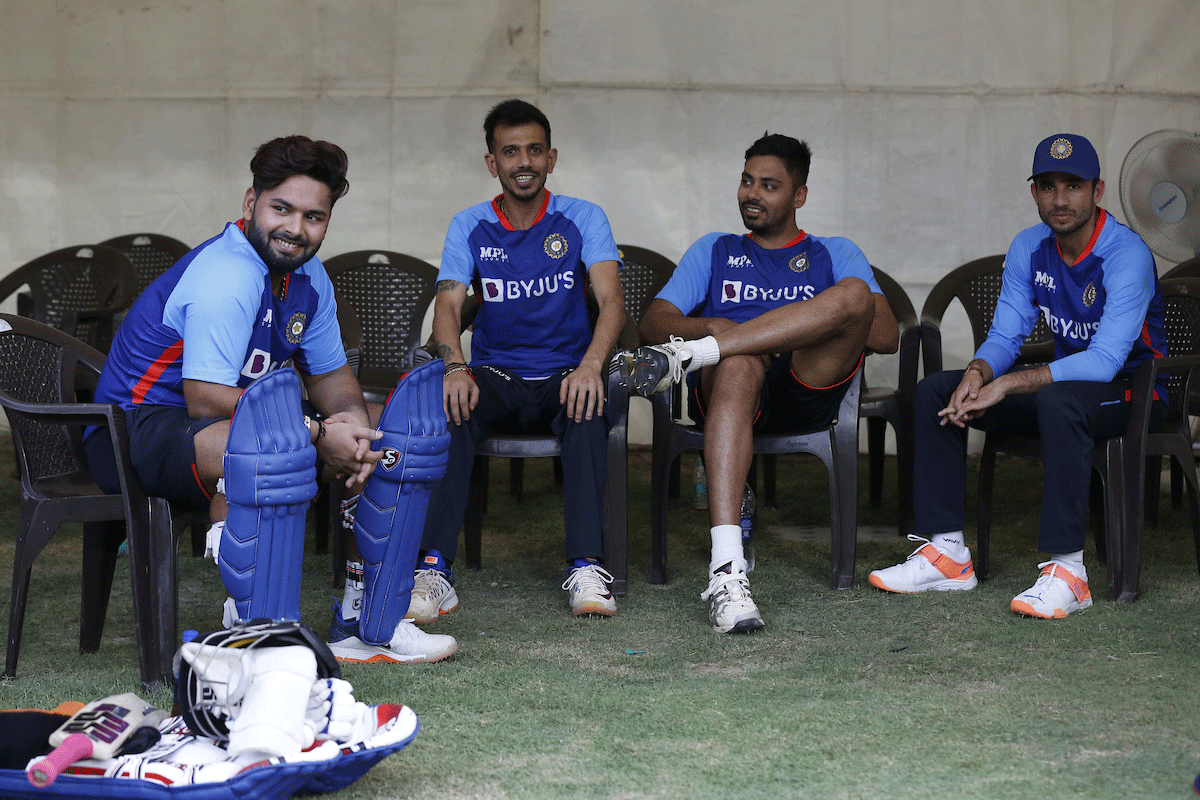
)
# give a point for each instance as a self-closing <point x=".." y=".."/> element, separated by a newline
<point x="1056" y="593"/>
<point x="927" y="569"/>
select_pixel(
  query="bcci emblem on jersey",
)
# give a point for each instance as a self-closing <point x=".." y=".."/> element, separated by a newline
<point x="799" y="262"/>
<point x="1089" y="295"/>
<point x="555" y="245"/>
<point x="295" y="328"/>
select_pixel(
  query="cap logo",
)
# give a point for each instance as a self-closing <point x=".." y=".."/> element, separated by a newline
<point x="1060" y="149"/>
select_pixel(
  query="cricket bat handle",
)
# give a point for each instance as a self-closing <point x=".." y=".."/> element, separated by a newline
<point x="76" y="746"/>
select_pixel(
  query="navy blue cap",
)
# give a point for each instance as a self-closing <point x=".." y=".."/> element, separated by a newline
<point x="1066" y="152"/>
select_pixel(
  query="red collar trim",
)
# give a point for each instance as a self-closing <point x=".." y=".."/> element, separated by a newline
<point x="241" y="224"/>
<point x="1087" y="251"/>
<point x="799" y="238"/>
<point x="504" y="220"/>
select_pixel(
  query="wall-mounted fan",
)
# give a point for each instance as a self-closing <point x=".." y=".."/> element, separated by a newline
<point x="1160" y="192"/>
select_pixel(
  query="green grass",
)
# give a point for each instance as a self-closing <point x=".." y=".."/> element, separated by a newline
<point x="850" y="694"/>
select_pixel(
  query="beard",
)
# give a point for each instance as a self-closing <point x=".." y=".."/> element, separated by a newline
<point x="276" y="262"/>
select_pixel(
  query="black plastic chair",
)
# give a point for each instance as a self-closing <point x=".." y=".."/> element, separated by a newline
<point x="836" y="445"/>
<point x="1184" y="269"/>
<point x="38" y="366"/>
<point x="78" y="290"/>
<point x="151" y="254"/>
<point x="976" y="285"/>
<point x="390" y="294"/>
<point x="884" y="405"/>
<point x="1120" y="461"/>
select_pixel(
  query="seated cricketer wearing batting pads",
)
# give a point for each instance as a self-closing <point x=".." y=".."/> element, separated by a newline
<point x="536" y="365"/>
<point x="1093" y="280"/>
<point x="236" y="308"/>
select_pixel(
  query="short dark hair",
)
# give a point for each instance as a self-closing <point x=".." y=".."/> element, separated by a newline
<point x="510" y="113"/>
<point x="794" y="153"/>
<point x="282" y="158"/>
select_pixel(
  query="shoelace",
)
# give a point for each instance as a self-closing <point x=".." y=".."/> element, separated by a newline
<point x="428" y="582"/>
<point x="592" y="578"/>
<point x="676" y="363"/>
<point x="733" y="585"/>
<point x="912" y="537"/>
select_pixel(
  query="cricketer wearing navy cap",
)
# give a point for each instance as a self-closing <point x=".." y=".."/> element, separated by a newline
<point x="1093" y="280"/>
<point x="1068" y="153"/>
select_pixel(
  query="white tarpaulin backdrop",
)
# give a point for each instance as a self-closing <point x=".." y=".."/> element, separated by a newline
<point x="141" y="115"/>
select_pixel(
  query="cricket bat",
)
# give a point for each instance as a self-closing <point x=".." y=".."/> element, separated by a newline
<point x="98" y="730"/>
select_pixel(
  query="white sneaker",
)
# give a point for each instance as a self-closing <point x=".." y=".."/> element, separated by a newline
<point x="926" y="569"/>
<point x="408" y="645"/>
<point x="587" y="591"/>
<point x="652" y="368"/>
<point x="731" y="609"/>
<point x="1056" y="593"/>
<point x="432" y="596"/>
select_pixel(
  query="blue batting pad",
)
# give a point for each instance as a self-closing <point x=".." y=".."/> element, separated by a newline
<point x="391" y="510"/>
<point x="270" y="478"/>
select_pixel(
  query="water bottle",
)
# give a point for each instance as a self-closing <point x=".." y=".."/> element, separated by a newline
<point x="700" y="484"/>
<point x="747" y="527"/>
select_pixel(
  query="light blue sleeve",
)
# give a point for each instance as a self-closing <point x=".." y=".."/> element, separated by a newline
<point x="322" y="342"/>
<point x="214" y="305"/>
<point x="849" y="262"/>
<point x="688" y="286"/>
<point x="1128" y="289"/>
<point x="598" y="242"/>
<point x="1016" y="313"/>
<point x="457" y="264"/>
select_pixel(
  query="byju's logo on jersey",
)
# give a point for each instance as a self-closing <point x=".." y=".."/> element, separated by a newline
<point x="1042" y="279"/>
<point x="496" y="290"/>
<point x="555" y="245"/>
<point x="258" y="363"/>
<point x="799" y="262"/>
<point x="295" y="327"/>
<point x="743" y="292"/>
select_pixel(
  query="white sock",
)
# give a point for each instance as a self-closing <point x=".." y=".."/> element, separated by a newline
<point x="353" y="594"/>
<point x="704" y="352"/>
<point x="726" y="547"/>
<point x="951" y="544"/>
<point x="1073" y="562"/>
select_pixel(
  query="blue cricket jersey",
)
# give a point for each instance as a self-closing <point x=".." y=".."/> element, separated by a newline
<point x="729" y="275"/>
<point x="1105" y="310"/>
<point x="532" y="283"/>
<point x="213" y="317"/>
